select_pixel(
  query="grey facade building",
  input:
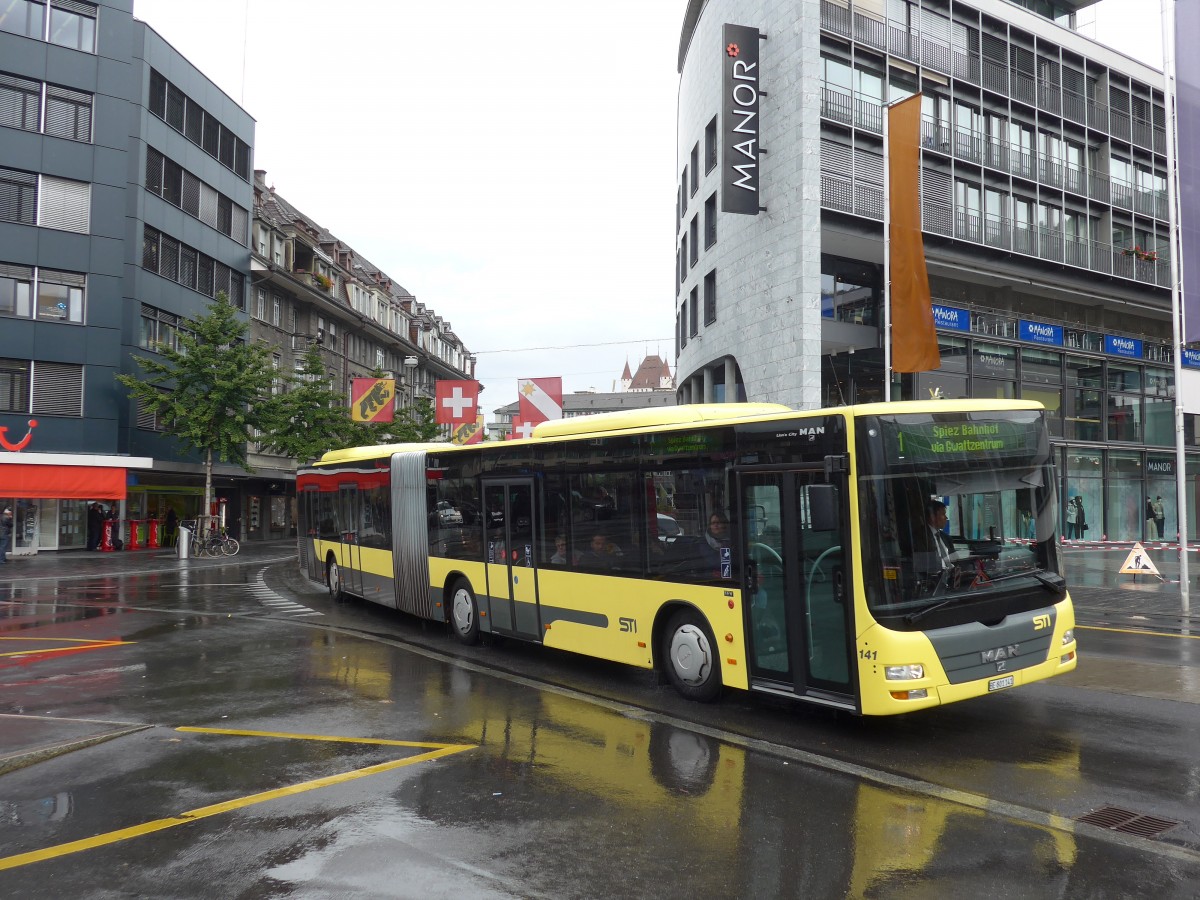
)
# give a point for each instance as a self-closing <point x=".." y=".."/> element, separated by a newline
<point x="125" y="197"/>
<point x="1044" y="212"/>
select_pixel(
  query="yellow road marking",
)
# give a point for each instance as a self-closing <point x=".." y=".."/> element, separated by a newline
<point x="1190" y="637"/>
<point x="78" y="644"/>
<point x="436" y="752"/>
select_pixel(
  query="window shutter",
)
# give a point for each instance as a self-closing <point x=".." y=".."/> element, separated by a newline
<point x="191" y="194"/>
<point x="154" y="171"/>
<point x="19" y="102"/>
<point x="64" y="204"/>
<point x="158" y="94"/>
<point x="57" y="389"/>
<point x="68" y="114"/>
<point x="14" y="385"/>
<point x="150" y="239"/>
<point x="208" y="205"/>
<point x="145" y="418"/>
<point x="18" y="197"/>
<point x="240" y="221"/>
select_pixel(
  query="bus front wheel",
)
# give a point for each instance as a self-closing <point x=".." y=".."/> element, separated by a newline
<point x="464" y="612"/>
<point x="690" y="656"/>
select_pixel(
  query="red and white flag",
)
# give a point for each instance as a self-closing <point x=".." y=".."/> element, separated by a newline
<point x="540" y="399"/>
<point x="520" y="430"/>
<point x="456" y="402"/>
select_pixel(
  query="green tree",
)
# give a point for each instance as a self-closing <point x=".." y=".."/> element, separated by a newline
<point x="212" y="391"/>
<point x="310" y="417"/>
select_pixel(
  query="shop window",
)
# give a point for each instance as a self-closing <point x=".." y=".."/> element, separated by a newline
<point x="1051" y="398"/>
<point x="1124" y="417"/>
<point x="1082" y="419"/>
<point x="1041" y="367"/>
<point x="1124" y="377"/>
<point x="1085" y="372"/>
<point x="993" y="360"/>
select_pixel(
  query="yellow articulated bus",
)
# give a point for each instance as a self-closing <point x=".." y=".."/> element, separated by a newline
<point x="879" y="558"/>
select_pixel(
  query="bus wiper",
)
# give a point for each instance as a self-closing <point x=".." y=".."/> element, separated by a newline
<point x="914" y="617"/>
<point x="1050" y="582"/>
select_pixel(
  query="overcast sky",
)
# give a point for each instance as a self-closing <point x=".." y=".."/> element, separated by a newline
<point x="511" y="164"/>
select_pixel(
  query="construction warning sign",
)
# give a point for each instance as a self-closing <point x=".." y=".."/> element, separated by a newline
<point x="1138" y="562"/>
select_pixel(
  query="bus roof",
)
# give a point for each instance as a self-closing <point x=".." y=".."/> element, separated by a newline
<point x="667" y="417"/>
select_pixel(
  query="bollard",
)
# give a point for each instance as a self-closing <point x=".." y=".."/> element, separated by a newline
<point x="183" y="543"/>
<point x="152" y="535"/>
<point x="106" y="536"/>
<point x="133" y="535"/>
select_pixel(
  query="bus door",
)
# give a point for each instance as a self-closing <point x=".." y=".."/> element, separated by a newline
<point x="798" y="582"/>
<point x="511" y="557"/>
<point x="351" y="553"/>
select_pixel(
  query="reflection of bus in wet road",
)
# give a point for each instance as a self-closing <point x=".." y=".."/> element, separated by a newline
<point x="803" y="560"/>
<point x="593" y="787"/>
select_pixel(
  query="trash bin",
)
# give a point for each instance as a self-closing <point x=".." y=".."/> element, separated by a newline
<point x="184" y="542"/>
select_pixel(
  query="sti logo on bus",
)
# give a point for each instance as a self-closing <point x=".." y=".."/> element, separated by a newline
<point x="1040" y="623"/>
<point x="629" y="625"/>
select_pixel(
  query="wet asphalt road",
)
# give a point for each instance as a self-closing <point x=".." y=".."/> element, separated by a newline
<point x="573" y="778"/>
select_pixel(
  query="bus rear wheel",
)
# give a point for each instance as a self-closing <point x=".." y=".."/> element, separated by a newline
<point x="464" y="612"/>
<point x="690" y="657"/>
<point x="333" y="578"/>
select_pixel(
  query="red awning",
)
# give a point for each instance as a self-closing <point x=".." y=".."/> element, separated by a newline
<point x="62" y="482"/>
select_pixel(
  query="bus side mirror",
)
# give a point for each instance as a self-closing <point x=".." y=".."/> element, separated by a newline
<point x="823" y="507"/>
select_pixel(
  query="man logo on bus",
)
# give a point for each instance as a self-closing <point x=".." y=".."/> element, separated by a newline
<point x="997" y="654"/>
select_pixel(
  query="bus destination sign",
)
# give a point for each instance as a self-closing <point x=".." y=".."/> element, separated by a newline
<point x="932" y="441"/>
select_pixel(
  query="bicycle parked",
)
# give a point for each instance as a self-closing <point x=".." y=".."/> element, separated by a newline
<point x="210" y="540"/>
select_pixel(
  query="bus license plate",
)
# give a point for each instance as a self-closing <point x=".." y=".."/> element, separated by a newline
<point x="999" y="684"/>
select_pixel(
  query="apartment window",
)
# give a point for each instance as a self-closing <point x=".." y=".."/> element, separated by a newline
<point x="73" y="25"/>
<point x="683" y="256"/>
<point x="18" y="197"/>
<point x="710" y="145"/>
<point x="260" y="304"/>
<point x="694" y="312"/>
<point x="41" y="388"/>
<point x="190" y="119"/>
<point x="710" y="298"/>
<point x="710" y="221"/>
<point x="60" y="296"/>
<point x="68" y="114"/>
<point x="683" y="320"/>
<point x="683" y="194"/>
<point x="16" y="288"/>
<point x="695" y="167"/>
<point x="159" y="330"/>
<point x="694" y="237"/>
<point x="24" y="17"/>
<point x="20" y="102"/>
<point x="64" y="204"/>
<point x="276" y="313"/>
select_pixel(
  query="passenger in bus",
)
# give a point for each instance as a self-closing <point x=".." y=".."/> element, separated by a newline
<point x="717" y="535"/>
<point x="561" y="556"/>
<point x="601" y="553"/>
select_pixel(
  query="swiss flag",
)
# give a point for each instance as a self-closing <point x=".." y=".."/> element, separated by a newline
<point x="540" y="399"/>
<point x="456" y="402"/>
<point x="520" y="429"/>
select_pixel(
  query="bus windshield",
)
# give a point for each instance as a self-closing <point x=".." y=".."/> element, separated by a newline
<point x="959" y="516"/>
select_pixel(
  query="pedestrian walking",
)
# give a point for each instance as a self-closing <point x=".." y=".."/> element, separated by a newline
<point x="1160" y="517"/>
<point x="1072" y="518"/>
<point x="95" y="525"/>
<point x="1081" y="525"/>
<point x="6" y="530"/>
<point x="1151" y="521"/>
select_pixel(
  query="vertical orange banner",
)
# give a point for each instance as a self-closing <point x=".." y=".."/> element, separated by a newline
<point x="914" y="338"/>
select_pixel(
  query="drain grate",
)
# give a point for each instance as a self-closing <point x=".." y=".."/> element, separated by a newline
<point x="1127" y="822"/>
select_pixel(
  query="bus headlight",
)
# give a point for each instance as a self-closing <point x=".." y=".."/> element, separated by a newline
<point x="1069" y="636"/>
<point x="904" y="673"/>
